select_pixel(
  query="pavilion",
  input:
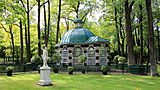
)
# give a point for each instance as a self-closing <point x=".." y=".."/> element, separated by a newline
<point x="79" y="41"/>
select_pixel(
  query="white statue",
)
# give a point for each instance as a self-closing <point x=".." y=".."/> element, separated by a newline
<point x="45" y="56"/>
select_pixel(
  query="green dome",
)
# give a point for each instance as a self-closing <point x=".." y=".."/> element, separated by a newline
<point x="76" y="36"/>
<point x="96" y="39"/>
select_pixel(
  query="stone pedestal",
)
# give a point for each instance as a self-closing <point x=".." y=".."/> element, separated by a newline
<point x="45" y="76"/>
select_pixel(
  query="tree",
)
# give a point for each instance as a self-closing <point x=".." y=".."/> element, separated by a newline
<point x="38" y="25"/>
<point x="27" y="32"/>
<point x="153" y="66"/>
<point x="128" y="9"/>
<point x="58" y="21"/>
<point x="12" y="39"/>
<point x="116" y="23"/>
<point x="11" y="12"/>
<point x="38" y="28"/>
<point x="21" y="40"/>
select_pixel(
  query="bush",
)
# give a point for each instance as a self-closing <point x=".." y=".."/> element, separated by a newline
<point x="104" y="68"/>
<point x="82" y="58"/>
<point x="49" y="60"/>
<point x="36" y="59"/>
<point x="122" y="60"/>
<point x="56" y="58"/>
<point x="116" y="58"/>
<point x="70" y="70"/>
<point x="9" y="68"/>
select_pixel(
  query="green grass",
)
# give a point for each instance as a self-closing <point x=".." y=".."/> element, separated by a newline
<point x="79" y="81"/>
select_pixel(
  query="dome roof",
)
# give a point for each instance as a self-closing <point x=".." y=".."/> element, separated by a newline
<point x="96" y="39"/>
<point x="76" y="36"/>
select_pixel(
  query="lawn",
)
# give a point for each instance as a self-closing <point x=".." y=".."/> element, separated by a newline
<point x="78" y="81"/>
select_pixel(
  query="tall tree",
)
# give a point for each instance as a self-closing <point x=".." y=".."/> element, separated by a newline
<point x="117" y="29"/>
<point x="153" y="66"/>
<point x="130" y="45"/>
<point x="141" y="33"/>
<point x="38" y="27"/>
<point x="28" y="24"/>
<point x="45" y="26"/>
<point x="21" y="41"/>
<point x="12" y="39"/>
<point x="28" y="10"/>
<point x="77" y="9"/>
<point x="49" y="16"/>
<point x="58" y="22"/>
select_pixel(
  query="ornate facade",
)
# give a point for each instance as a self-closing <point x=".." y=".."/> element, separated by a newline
<point x="79" y="41"/>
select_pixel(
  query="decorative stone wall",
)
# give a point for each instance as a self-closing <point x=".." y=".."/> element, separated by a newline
<point x="96" y="54"/>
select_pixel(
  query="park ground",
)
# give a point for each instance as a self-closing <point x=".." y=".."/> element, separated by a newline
<point x="78" y="81"/>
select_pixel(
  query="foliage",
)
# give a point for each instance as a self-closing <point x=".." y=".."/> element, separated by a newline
<point x="70" y="69"/>
<point x="9" y="68"/>
<point x="49" y="60"/>
<point x="104" y="68"/>
<point x="116" y="58"/>
<point x="119" y="59"/>
<point x="100" y="19"/>
<point x="36" y="59"/>
<point x="56" y="57"/>
<point x="137" y="49"/>
<point x="122" y="60"/>
<point x="82" y="58"/>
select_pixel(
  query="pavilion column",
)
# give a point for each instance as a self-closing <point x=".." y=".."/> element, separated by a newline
<point x="107" y="55"/>
<point x="97" y="55"/>
<point x="70" y="56"/>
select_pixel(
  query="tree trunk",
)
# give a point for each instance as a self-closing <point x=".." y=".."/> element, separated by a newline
<point x="39" y="32"/>
<point x="117" y="31"/>
<point x="12" y="41"/>
<point x="153" y="65"/>
<point x="67" y="23"/>
<point x="131" y="57"/>
<point x="45" y="26"/>
<point x="48" y="23"/>
<point x="21" y="40"/>
<point x="158" y="43"/>
<point x="28" y="43"/>
<point x="58" y="22"/>
<point x="141" y="34"/>
<point x="77" y="9"/>
<point x="122" y="34"/>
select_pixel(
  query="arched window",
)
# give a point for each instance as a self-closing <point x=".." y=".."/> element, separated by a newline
<point x="77" y="51"/>
<point x="91" y="56"/>
<point x="102" y="55"/>
<point x="65" y="55"/>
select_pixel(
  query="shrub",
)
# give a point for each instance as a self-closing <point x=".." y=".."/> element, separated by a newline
<point x="36" y="59"/>
<point x="122" y="60"/>
<point x="116" y="58"/>
<point x="49" y="60"/>
<point x="56" y="58"/>
<point x="70" y="69"/>
<point x="104" y="68"/>
<point x="9" y="69"/>
<point x="82" y="58"/>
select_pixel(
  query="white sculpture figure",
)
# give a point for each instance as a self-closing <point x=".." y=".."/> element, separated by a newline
<point x="45" y="70"/>
<point x="45" y="56"/>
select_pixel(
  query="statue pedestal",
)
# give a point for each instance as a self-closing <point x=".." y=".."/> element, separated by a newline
<point x="45" y="76"/>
